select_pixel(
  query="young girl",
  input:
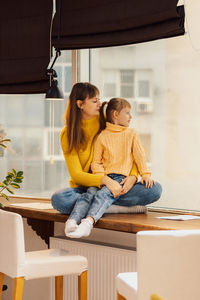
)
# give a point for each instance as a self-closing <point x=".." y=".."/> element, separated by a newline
<point x="116" y="149"/>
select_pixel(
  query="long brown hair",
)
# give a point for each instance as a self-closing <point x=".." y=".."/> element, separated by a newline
<point x="73" y="116"/>
<point x="115" y="104"/>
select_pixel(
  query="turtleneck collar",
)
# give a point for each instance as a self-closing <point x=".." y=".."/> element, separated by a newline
<point x="114" y="127"/>
<point x="90" y="121"/>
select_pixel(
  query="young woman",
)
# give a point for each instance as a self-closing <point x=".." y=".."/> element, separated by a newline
<point x="116" y="149"/>
<point x="77" y="141"/>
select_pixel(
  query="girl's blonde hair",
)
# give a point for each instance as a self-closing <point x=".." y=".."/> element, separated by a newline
<point x="115" y="104"/>
<point x="73" y="115"/>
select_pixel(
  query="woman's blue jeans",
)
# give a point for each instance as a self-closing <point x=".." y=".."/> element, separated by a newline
<point x="64" y="201"/>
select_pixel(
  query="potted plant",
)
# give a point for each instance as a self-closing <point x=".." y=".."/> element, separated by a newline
<point x="13" y="178"/>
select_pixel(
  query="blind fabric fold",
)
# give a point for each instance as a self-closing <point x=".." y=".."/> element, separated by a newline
<point x="103" y="23"/>
<point x="25" y="33"/>
<point x="25" y="46"/>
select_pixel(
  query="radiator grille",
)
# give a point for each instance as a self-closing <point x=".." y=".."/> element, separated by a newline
<point x="105" y="262"/>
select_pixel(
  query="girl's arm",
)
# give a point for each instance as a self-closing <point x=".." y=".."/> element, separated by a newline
<point x="140" y="159"/>
<point x="97" y="165"/>
<point x="139" y="156"/>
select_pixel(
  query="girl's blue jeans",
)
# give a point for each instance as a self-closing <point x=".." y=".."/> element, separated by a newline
<point x="81" y="202"/>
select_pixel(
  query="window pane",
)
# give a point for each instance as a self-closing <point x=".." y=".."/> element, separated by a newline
<point x="109" y="83"/>
<point x="33" y="111"/>
<point x="109" y="90"/>
<point x="26" y="119"/>
<point x="143" y="88"/>
<point x="68" y="79"/>
<point x="58" y="70"/>
<point x="126" y="76"/>
<point x="126" y="91"/>
<point x="14" y="111"/>
<point x="164" y="75"/>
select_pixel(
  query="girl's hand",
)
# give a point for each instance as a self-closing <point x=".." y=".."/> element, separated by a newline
<point x="127" y="183"/>
<point x="148" y="181"/>
<point x="112" y="185"/>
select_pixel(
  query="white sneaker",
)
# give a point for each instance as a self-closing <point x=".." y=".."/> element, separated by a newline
<point x="84" y="229"/>
<point x="70" y="225"/>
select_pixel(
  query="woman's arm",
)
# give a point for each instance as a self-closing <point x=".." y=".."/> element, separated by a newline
<point x="77" y="174"/>
<point x="134" y="171"/>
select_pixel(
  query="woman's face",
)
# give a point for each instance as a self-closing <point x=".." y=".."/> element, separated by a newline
<point x="90" y="107"/>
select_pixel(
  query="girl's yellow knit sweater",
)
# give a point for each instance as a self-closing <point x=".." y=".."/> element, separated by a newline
<point x="115" y="151"/>
<point x="78" y="163"/>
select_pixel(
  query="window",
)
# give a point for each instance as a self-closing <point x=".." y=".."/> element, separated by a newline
<point x="126" y="83"/>
<point x="110" y="83"/>
<point x="26" y="120"/>
<point x="160" y="79"/>
<point x="134" y="84"/>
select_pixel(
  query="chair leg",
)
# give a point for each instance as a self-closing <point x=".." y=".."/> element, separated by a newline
<point x="18" y="288"/>
<point x="120" y="297"/>
<point x="82" y="286"/>
<point x="59" y="288"/>
<point x="1" y="283"/>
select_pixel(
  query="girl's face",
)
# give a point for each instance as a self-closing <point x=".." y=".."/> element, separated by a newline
<point x="89" y="107"/>
<point x="123" y="117"/>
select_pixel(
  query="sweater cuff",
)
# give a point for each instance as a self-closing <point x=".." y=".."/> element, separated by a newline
<point x="146" y="173"/>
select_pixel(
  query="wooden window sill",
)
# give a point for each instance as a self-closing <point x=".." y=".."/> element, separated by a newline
<point x="131" y="223"/>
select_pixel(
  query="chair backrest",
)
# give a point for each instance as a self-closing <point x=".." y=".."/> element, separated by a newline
<point x="12" y="250"/>
<point x="168" y="264"/>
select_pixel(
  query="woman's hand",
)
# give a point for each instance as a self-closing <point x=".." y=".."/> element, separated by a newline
<point x="112" y="185"/>
<point x="127" y="183"/>
<point x="148" y="181"/>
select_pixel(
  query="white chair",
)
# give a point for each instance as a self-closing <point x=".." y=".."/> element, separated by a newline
<point x="20" y="265"/>
<point x="168" y="264"/>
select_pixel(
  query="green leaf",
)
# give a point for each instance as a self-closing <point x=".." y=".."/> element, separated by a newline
<point x="2" y="145"/>
<point x="7" y="140"/>
<point x="9" y="190"/>
<point x="1" y="205"/>
<point x="14" y="172"/>
<point x="20" y="173"/>
<point x="15" y="185"/>
<point x="11" y="174"/>
<point x="1" y="184"/>
<point x="5" y="182"/>
<point x="17" y="180"/>
<point x="5" y="196"/>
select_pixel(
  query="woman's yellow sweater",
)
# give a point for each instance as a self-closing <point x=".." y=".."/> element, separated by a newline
<point x="78" y="163"/>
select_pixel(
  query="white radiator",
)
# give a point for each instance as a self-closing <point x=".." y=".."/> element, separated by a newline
<point x="105" y="262"/>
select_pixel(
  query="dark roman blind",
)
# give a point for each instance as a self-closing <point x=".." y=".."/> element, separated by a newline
<point x="102" y="23"/>
<point x="24" y="45"/>
<point x="25" y="33"/>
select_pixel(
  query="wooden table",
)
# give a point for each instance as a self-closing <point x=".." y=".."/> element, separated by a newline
<point x="42" y="221"/>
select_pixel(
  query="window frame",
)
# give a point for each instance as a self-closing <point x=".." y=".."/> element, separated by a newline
<point x="154" y="208"/>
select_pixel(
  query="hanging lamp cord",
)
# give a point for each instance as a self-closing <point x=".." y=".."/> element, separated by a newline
<point x="50" y="72"/>
<point x="59" y="26"/>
